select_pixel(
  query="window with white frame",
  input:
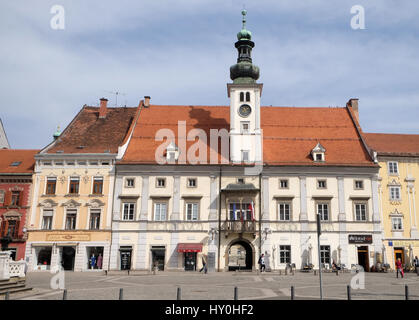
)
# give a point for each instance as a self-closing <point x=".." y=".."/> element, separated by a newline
<point x="70" y="220"/>
<point x="284" y="254"/>
<point x="128" y="211"/>
<point x="393" y="167"/>
<point x="395" y="193"/>
<point x="94" y="223"/>
<point x="284" y="210"/>
<point x="283" y="183"/>
<point x="129" y="182"/>
<point x="321" y="184"/>
<point x="47" y="219"/>
<point x="245" y="126"/>
<point x="360" y="211"/>
<point x="245" y="155"/>
<point x="325" y="254"/>
<point x="192" y="211"/>
<point x="160" y="211"/>
<point x="323" y="211"/>
<point x="397" y="223"/>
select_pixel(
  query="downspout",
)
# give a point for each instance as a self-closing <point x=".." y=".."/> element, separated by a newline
<point x="260" y="213"/>
<point x="219" y="219"/>
<point x="112" y="205"/>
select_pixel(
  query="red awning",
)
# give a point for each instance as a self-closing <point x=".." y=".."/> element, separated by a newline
<point x="189" y="247"/>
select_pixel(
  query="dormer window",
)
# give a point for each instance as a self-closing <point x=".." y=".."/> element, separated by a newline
<point x="318" y="153"/>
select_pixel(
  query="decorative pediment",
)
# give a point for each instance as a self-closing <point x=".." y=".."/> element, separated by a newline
<point x="318" y="148"/>
<point x="16" y="188"/>
<point x="396" y="213"/>
<point x="318" y="152"/>
<point x="48" y="203"/>
<point x="95" y="203"/>
<point x="394" y="183"/>
<point x="71" y="204"/>
<point x="12" y="215"/>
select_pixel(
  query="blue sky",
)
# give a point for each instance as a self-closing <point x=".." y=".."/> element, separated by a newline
<point x="180" y="51"/>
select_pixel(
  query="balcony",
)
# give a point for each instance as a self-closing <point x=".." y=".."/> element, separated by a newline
<point x="234" y="226"/>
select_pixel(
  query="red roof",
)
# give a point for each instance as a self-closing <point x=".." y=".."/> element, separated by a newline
<point x="393" y="144"/>
<point x="88" y="133"/>
<point x="289" y="133"/>
<point x="23" y="161"/>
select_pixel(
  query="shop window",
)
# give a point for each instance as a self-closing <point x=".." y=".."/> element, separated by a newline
<point x="284" y="254"/>
<point x="95" y="219"/>
<point x="94" y="257"/>
<point x="70" y="221"/>
<point x="51" y="185"/>
<point x="44" y="257"/>
<point x="97" y="185"/>
<point x="74" y="185"/>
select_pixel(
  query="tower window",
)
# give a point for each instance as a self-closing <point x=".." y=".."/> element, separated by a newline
<point x="245" y="155"/>
<point x="247" y="96"/>
<point x="241" y="96"/>
<point x="244" y="127"/>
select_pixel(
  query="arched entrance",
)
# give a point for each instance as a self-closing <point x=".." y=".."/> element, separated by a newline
<point x="239" y="255"/>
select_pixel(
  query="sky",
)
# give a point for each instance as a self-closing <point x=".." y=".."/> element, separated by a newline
<point x="179" y="52"/>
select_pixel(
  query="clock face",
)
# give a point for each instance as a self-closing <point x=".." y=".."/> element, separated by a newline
<point x="245" y="110"/>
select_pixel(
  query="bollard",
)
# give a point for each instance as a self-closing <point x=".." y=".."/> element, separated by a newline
<point x="292" y="292"/>
<point x="7" y="296"/>
<point x="315" y="272"/>
<point x="65" y="294"/>
<point x="406" y="292"/>
<point x="337" y="272"/>
<point x="348" y="289"/>
<point x="178" y="297"/>
<point x="236" y="293"/>
<point x="121" y="294"/>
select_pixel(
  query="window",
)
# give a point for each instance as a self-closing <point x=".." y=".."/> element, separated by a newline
<point x="15" y="163"/>
<point x="360" y="211"/>
<point x="243" y="212"/>
<point x="241" y="96"/>
<point x="74" y="185"/>
<point x="12" y="228"/>
<point x="160" y="182"/>
<point x="240" y="180"/>
<point x="397" y="223"/>
<point x="325" y="254"/>
<point x="51" y="185"/>
<point x="58" y="163"/>
<point x="393" y="168"/>
<point x="323" y="210"/>
<point x="129" y="182"/>
<point x="2" y="196"/>
<point x="95" y="219"/>
<point x="244" y="125"/>
<point x="47" y="220"/>
<point x="283" y="184"/>
<point x="128" y="213"/>
<point x="395" y="193"/>
<point x="245" y="155"/>
<point x="160" y="211"/>
<point x="93" y="163"/>
<point x="81" y="163"/>
<point x="192" y="183"/>
<point x="247" y="96"/>
<point x="15" y="198"/>
<point x="284" y="210"/>
<point x="284" y="254"/>
<point x="319" y="157"/>
<point x="97" y="185"/>
<point x="47" y="163"/>
<point x="70" y="163"/>
<point x="70" y="221"/>
<point x="359" y="184"/>
<point x="321" y="184"/>
<point x="192" y="211"/>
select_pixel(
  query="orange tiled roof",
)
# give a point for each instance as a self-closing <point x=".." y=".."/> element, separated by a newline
<point x="393" y="144"/>
<point x="289" y="133"/>
<point x="8" y="156"/>
<point x="94" y="134"/>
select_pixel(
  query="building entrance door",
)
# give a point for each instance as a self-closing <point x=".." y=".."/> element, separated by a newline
<point x="240" y="256"/>
<point x="190" y="261"/>
<point x="363" y="259"/>
<point x="68" y="257"/>
<point x="399" y="253"/>
<point x="157" y="258"/>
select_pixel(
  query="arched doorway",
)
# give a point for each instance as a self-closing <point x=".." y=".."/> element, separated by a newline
<point x="239" y="255"/>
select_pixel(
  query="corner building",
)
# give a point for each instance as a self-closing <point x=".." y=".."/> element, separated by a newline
<point x="257" y="190"/>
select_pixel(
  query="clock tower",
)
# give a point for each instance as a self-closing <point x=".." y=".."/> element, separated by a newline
<point x="244" y="94"/>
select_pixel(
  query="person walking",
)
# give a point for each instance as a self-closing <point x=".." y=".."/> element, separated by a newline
<point x="204" y="265"/>
<point x="416" y="264"/>
<point x="399" y="267"/>
<point x="262" y="262"/>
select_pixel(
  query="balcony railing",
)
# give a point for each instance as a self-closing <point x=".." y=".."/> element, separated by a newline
<point x="239" y="226"/>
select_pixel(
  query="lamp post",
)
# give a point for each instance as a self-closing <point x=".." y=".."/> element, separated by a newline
<point x="318" y="246"/>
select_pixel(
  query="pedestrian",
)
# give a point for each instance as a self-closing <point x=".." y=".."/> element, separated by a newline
<point x="399" y="267"/>
<point x="204" y="265"/>
<point x="416" y="264"/>
<point x="262" y="262"/>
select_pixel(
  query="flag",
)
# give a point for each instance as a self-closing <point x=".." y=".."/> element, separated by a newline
<point x="252" y="209"/>
<point x="241" y="214"/>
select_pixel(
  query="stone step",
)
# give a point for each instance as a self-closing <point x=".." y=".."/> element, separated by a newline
<point x="11" y="287"/>
<point x="15" y="290"/>
<point x="8" y="283"/>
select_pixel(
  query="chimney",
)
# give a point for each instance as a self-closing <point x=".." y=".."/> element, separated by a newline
<point x="103" y="108"/>
<point x="353" y="103"/>
<point x="146" y="101"/>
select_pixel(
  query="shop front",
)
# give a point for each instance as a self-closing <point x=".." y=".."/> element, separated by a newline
<point x="158" y="255"/>
<point x="362" y="249"/>
<point x="190" y="251"/>
<point x="405" y="250"/>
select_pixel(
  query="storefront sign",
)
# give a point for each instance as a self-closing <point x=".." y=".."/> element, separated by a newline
<point x="68" y="237"/>
<point x="405" y="243"/>
<point x="360" y="238"/>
